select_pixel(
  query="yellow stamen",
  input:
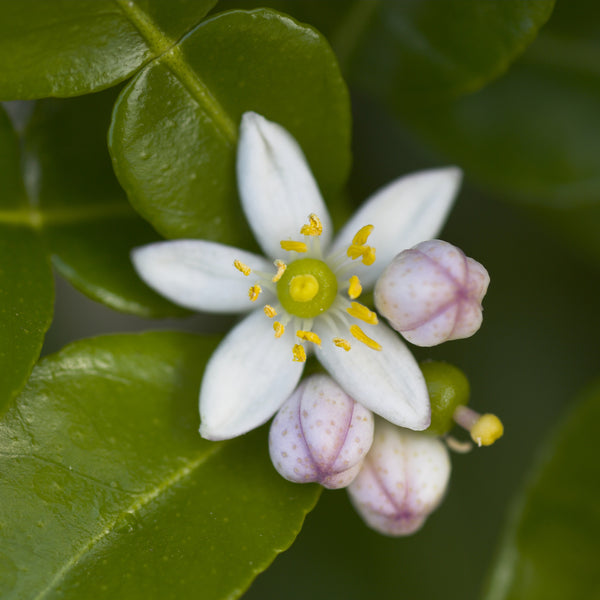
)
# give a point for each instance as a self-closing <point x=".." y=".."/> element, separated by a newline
<point x="270" y="311"/>
<point x="254" y="292"/>
<point x="278" y="328"/>
<point x="368" y="257"/>
<point x="342" y="343"/>
<point x="355" y="252"/>
<point x="291" y="246"/>
<point x="487" y="430"/>
<point x="299" y="353"/>
<point x="309" y="336"/>
<point x="354" y="289"/>
<point x="281" y="267"/>
<point x="361" y="336"/>
<point x="303" y="288"/>
<point x="362" y="235"/>
<point x="314" y="227"/>
<point x="240" y="266"/>
<point x="359" y="311"/>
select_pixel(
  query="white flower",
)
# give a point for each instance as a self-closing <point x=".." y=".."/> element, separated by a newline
<point x="307" y="302"/>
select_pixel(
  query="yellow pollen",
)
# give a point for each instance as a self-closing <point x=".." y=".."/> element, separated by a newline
<point x="354" y="289"/>
<point x="240" y="266"/>
<point x="359" y="311"/>
<point x="362" y="235"/>
<point x="291" y="246"/>
<point x="309" y="336"/>
<point x="368" y="257"/>
<point x="361" y="336"/>
<point x="270" y="311"/>
<point x="354" y="251"/>
<point x="314" y="227"/>
<point x="278" y="328"/>
<point x="299" y="353"/>
<point x="303" y="288"/>
<point x="487" y="430"/>
<point x="254" y="292"/>
<point x="281" y="267"/>
<point x="342" y="343"/>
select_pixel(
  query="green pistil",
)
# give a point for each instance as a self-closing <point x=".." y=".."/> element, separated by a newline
<point x="307" y="288"/>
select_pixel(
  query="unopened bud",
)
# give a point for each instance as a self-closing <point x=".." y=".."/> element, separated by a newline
<point x="432" y="293"/>
<point x="320" y="434"/>
<point x="403" y="479"/>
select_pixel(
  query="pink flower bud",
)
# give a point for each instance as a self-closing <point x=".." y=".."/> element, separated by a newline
<point x="432" y="293"/>
<point x="403" y="479"/>
<point x="320" y="434"/>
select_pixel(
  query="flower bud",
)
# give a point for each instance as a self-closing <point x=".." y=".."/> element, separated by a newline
<point x="403" y="479"/>
<point x="320" y="434"/>
<point x="432" y="293"/>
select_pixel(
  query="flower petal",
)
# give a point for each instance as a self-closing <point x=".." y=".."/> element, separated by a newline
<point x="199" y="275"/>
<point x="407" y="211"/>
<point x="388" y="382"/>
<point x="277" y="188"/>
<point x="247" y="379"/>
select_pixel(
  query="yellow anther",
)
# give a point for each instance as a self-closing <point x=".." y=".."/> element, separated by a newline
<point x="354" y="289"/>
<point x="299" y="353"/>
<point x="355" y="252"/>
<point x="487" y="430"/>
<point x="240" y="266"/>
<point x="303" y="288"/>
<point x="359" y="311"/>
<point x="368" y="257"/>
<point x="309" y="336"/>
<point x="342" y="343"/>
<point x="291" y="246"/>
<point x="362" y="235"/>
<point x="361" y="336"/>
<point x="281" y="267"/>
<point x="278" y="328"/>
<point x="270" y="311"/>
<point x="254" y="292"/>
<point x="314" y="227"/>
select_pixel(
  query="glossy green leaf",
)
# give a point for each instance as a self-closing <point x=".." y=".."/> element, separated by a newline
<point x="67" y="48"/>
<point x="174" y="129"/>
<point x="26" y="287"/>
<point x="81" y="211"/>
<point x="415" y="51"/>
<point x="107" y="490"/>
<point x="551" y="549"/>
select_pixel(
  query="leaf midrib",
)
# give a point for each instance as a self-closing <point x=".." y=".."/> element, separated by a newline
<point x="39" y="218"/>
<point x="169" y="51"/>
<point x="145" y="499"/>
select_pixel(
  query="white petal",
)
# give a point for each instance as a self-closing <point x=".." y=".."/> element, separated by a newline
<point x="199" y="275"/>
<point x="388" y="382"/>
<point x="407" y="211"/>
<point x="276" y="186"/>
<point x="247" y="379"/>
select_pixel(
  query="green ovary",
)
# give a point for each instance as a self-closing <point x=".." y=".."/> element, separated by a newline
<point x="307" y="288"/>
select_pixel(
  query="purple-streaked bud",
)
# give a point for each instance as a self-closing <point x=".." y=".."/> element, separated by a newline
<point x="432" y="293"/>
<point x="403" y="479"/>
<point x="320" y="434"/>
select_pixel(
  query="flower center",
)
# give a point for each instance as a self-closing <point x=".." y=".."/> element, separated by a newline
<point x="307" y="288"/>
<point x="303" y="288"/>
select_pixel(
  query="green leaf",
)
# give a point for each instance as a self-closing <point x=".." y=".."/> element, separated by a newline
<point x="80" y="209"/>
<point x="66" y="48"/>
<point x="109" y="492"/>
<point x="174" y="130"/>
<point x="427" y="49"/>
<point x="415" y="51"/>
<point x="550" y="551"/>
<point x="26" y="286"/>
